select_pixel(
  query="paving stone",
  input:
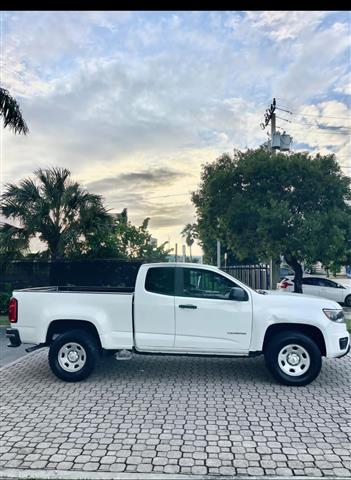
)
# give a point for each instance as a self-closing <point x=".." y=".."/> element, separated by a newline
<point x="198" y="470"/>
<point x="197" y="416"/>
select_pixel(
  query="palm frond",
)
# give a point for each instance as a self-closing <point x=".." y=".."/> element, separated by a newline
<point x="13" y="239"/>
<point x="11" y="112"/>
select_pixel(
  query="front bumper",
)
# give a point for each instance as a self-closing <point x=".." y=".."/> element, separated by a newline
<point x="14" y="337"/>
<point x="347" y="351"/>
<point x="337" y="340"/>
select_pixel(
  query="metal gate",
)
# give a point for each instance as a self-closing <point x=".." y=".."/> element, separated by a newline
<point x="255" y="276"/>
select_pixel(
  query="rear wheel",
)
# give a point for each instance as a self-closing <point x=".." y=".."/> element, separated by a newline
<point x="72" y="355"/>
<point x="348" y="301"/>
<point x="293" y="358"/>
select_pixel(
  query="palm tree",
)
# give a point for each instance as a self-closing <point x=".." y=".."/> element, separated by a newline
<point x="54" y="209"/>
<point x="189" y="232"/>
<point x="10" y="110"/>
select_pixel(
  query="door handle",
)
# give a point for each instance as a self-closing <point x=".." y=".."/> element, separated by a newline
<point x="188" y="306"/>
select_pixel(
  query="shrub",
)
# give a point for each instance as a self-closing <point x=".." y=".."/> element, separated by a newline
<point x="5" y="296"/>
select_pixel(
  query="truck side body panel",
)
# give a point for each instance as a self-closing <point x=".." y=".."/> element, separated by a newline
<point x="111" y="313"/>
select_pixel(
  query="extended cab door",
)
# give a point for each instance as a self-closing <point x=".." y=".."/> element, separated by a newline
<point x="154" y="320"/>
<point x="208" y="320"/>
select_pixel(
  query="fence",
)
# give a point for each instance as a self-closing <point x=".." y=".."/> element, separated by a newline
<point x="101" y="272"/>
<point x="255" y="276"/>
<point x="97" y="272"/>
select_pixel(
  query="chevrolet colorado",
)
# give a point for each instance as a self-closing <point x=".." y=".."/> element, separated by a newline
<point x="179" y="308"/>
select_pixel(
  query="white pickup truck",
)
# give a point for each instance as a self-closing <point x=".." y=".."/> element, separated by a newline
<point x="179" y="308"/>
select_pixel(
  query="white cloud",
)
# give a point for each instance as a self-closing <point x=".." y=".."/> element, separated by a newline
<point x="286" y="25"/>
<point x="108" y="93"/>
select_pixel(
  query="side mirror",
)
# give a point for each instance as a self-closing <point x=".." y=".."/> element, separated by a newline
<point x="238" y="294"/>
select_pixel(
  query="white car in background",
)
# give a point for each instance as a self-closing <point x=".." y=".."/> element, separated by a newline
<point x="337" y="290"/>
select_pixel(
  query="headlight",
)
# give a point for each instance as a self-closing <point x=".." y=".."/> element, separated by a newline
<point x="334" y="315"/>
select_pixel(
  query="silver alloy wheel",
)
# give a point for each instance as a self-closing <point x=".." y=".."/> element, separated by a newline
<point x="294" y="360"/>
<point x="72" y="357"/>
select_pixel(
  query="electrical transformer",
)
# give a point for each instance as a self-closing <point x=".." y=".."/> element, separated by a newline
<point x="276" y="140"/>
<point x="281" y="141"/>
<point x="285" y="142"/>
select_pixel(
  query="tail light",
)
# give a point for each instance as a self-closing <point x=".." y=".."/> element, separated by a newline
<point x="13" y="310"/>
<point x="285" y="284"/>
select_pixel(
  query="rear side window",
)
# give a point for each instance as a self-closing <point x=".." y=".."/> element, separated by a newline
<point x="160" y="280"/>
<point x="310" y="281"/>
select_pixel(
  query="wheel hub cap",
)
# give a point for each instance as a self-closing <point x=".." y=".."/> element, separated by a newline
<point x="72" y="357"/>
<point x="294" y="360"/>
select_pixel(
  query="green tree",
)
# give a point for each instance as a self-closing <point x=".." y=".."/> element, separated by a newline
<point x="11" y="113"/>
<point x="189" y="232"/>
<point x="52" y="208"/>
<point x="121" y="240"/>
<point x="266" y="205"/>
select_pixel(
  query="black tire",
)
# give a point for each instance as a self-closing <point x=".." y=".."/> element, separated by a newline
<point x="348" y="301"/>
<point x="311" y="360"/>
<point x="83" y="343"/>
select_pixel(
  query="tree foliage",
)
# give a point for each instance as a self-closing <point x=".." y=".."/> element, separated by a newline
<point x="189" y="232"/>
<point x="266" y="205"/>
<point x="52" y="208"/>
<point x="70" y="221"/>
<point x="11" y="113"/>
<point x="123" y="240"/>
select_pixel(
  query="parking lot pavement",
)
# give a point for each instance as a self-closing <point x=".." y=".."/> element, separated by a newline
<point x="164" y="414"/>
<point x="7" y="354"/>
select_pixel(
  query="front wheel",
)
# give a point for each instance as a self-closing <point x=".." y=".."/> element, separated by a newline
<point x="348" y="301"/>
<point x="293" y="358"/>
<point x="72" y="355"/>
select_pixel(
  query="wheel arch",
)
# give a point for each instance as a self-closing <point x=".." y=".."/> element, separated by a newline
<point x="310" y="330"/>
<point x="59" y="326"/>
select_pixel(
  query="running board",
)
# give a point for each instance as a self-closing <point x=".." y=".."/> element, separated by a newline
<point x="35" y="347"/>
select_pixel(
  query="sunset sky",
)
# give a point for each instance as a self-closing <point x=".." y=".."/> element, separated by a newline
<point x="133" y="103"/>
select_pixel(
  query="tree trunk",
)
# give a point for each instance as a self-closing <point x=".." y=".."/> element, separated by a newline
<point x="296" y="266"/>
<point x="191" y="258"/>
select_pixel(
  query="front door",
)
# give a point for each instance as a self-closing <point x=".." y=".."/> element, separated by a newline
<point x="207" y="320"/>
<point x="329" y="289"/>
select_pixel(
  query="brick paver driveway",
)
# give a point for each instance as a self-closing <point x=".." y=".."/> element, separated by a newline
<point x="176" y="414"/>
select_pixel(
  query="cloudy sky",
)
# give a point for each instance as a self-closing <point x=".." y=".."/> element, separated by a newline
<point x="134" y="103"/>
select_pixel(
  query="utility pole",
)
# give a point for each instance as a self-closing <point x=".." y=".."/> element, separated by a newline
<point x="274" y="264"/>
<point x="218" y="254"/>
<point x="273" y="125"/>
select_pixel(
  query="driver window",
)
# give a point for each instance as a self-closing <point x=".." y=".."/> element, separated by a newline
<point x="206" y="284"/>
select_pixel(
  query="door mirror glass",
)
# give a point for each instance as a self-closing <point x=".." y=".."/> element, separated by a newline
<point x="238" y="294"/>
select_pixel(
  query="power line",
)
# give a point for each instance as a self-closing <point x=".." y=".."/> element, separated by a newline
<point x="320" y="116"/>
<point x="320" y="127"/>
<point x="312" y="115"/>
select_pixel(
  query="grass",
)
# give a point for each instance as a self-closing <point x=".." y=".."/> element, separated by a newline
<point x="348" y="324"/>
<point x="4" y="320"/>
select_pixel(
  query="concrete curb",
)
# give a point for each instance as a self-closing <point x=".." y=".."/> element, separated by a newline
<point x="12" y="473"/>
